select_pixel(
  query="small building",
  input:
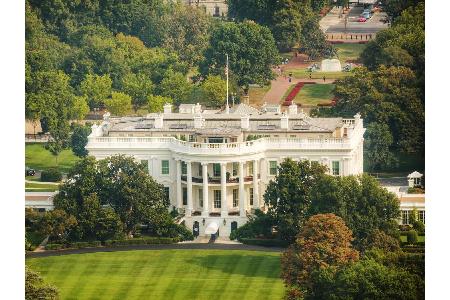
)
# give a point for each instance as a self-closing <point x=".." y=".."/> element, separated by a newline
<point x="215" y="8"/>
<point x="415" y="179"/>
<point x="39" y="201"/>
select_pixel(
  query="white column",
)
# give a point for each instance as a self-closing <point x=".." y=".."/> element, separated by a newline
<point x="255" y="184"/>
<point x="205" y="190"/>
<point x="223" y="187"/>
<point x="241" y="190"/>
<point x="346" y="166"/>
<point x="190" y="206"/>
<point x="178" y="180"/>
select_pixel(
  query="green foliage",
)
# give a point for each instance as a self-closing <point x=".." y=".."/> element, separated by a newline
<point x="213" y="90"/>
<point x="380" y="240"/>
<point x="313" y="41"/>
<point x="51" y="175"/>
<point x="360" y="201"/>
<point x="175" y="86"/>
<point x="36" y="288"/>
<point x="96" y="88"/>
<point x="324" y="241"/>
<point x="79" y="140"/>
<point x="366" y="279"/>
<point x="57" y="224"/>
<point x="139" y="87"/>
<point x="288" y="196"/>
<point x="119" y="104"/>
<point x="412" y="237"/>
<point x="256" y="227"/>
<point x="264" y="242"/>
<point x="377" y="143"/>
<point x="156" y="103"/>
<point x="81" y="108"/>
<point x="251" y="49"/>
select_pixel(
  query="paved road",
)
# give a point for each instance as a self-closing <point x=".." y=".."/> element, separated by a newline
<point x="181" y="246"/>
<point x="373" y="25"/>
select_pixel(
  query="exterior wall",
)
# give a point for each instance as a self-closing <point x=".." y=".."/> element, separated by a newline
<point x="210" y="6"/>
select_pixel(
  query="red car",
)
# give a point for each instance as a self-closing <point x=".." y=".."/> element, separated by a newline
<point x="362" y="19"/>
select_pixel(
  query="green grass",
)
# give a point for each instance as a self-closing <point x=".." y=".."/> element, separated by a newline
<point x="347" y="52"/>
<point x="164" y="274"/>
<point x="256" y="94"/>
<point x="313" y="94"/>
<point x="39" y="158"/>
<point x="36" y="187"/>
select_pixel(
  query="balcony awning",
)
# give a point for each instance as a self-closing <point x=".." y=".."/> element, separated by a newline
<point x="212" y="228"/>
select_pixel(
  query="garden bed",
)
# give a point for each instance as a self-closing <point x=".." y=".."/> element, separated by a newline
<point x="113" y="243"/>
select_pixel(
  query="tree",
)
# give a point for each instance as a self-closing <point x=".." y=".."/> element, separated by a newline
<point x="119" y="182"/>
<point x="377" y="143"/>
<point x="175" y="86"/>
<point x="251" y="49"/>
<point x="312" y="39"/>
<point x="119" y="104"/>
<point x="288" y="196"/>
<point x="213" y="90"/>
<point x="324" y="241"/>
<point x="81" y="108"/>
<point x="96" y="88"/>
<point x="79" y="140"/>
<point x="287" y="28"/>
<point x="156" y="103"/>
<point x="380" y="240"/>
<point x="139" y="87"/>
<point x="57" y="224"/>
<point x="36" y="288"/>
<point x="366" y="279"/>
<point x="360" y="201"/>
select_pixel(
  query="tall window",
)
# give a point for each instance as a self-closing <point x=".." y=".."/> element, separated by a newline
<point x="216" y="170"/>
<point x="273" y="167"/>
<point x="422" y="216"/>
<point x="235" y="168"/>
<point x="250" y="168"/>
<point x="165" y="167"/>
<point x="200" y="197"/>
<point x="235" y="198"/>
<point x="217" y="199"/>
<point x="184" y="196"/>
<point x="405" y="217"/>
<point x="200" y="170"/>
<point x="183" y="168"/>
<point x="251" y="196"/>
<point x="191" y="138"/>
<point x="167" y="194"/>
<point x="335" y="167"/>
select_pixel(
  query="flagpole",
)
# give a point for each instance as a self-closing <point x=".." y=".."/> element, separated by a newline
<point x="227" y="70"/>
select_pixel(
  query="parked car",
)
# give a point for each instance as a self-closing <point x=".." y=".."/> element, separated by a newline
<point x="366" y="15"/>
<point x="29" y="172"/>
<point x="362" y="19"/>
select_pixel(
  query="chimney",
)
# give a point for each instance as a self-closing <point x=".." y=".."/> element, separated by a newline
<point x="167" y="108"/>
<point x="198" y="121"/>
<point x="284" y="124"/>
<point x="245" y="122"/>
<point x="293" y="109"/>
<point x="197" y="108"/>
<point x="159" y="121"/>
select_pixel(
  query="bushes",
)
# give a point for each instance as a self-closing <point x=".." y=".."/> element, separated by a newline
<point x="411" y="237"/>
<point x="258" y="226"/>
<point x="265" y="242"/>
<point x="85" y="244"/>
<point x="141" y="241"/>
<point x="51" y="175"/>
<point x="54" y="246"/>
<point x="419" y="227"/>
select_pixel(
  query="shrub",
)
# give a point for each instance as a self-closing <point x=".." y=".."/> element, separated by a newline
<point x="412" y="237"/>
<point x="419" y="227"/>
<point x="405" y="227"/>
<point x="416" y="190"/>
<point x="51" y="175"/>
<point x="141" y="241"/>
<point x="380" y="240"/>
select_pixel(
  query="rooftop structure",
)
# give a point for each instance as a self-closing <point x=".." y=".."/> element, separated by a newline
<point x="215" y="165"/>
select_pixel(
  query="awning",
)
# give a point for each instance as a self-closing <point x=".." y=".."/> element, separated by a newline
<point x="212" y="228"/>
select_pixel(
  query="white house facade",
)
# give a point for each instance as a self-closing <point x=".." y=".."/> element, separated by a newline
<point x="216" y="165"/>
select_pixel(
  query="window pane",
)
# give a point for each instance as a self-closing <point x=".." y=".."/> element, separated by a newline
<point x="184" y="196"/>
<point x="167" y="194"/>
<point x="235" y="168"/>
<point x="250" y="168"/>
<point x="200" y="197"/>
<point x="217" y="198"/>
<point x="335" y="166"/>
<point x="251" y="196"/>
<point x="183" y="168"/>
<point x="165" y="167"/>
<point x="235" y="198"/>
<point x="216" y="170"/>
<point x="273" y="167"/>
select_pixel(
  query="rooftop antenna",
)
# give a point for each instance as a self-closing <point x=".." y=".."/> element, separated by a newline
<point x="227" y="108"/>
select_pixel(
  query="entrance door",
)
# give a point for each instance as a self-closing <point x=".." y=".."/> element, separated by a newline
<point x="196" y="229"/>
<point x="233" y="226"/>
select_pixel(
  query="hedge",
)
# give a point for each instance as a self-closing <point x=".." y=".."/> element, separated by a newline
<point x="51" y="175"/>
<point x="264" y="242"/>
<point x="54" y="246"/>
<point x="85" y="244"/>
<point x="142" y="241"/>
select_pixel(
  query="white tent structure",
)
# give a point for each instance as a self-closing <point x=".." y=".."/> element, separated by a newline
<point x="331" y="65"/>
<point x="212" y="228"/>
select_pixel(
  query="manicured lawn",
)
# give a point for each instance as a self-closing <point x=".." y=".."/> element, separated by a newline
<point x="256" y="94"/>
<point x="347" y="52"/>
<point x="39" y="158"/>
<point x="420" y="238"/>
<point x="165" y="274"/>
<point x="313" y="94"/>
<point x="36" y="187"/>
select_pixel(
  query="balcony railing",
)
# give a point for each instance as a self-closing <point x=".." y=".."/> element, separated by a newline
<point x="217" y="179"/>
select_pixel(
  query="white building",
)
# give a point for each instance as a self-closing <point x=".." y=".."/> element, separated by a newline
<point x="216" y="8"/>
<point x="39" y="201"/>
<point x="215" y="166"/>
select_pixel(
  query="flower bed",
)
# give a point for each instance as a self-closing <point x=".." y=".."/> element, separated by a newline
<point x="290" y="97"/>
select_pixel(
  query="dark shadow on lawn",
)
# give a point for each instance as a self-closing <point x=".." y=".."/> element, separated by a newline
<point x="250" y="265"/>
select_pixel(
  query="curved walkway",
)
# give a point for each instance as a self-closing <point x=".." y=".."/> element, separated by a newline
<point x="181" y="246"/>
